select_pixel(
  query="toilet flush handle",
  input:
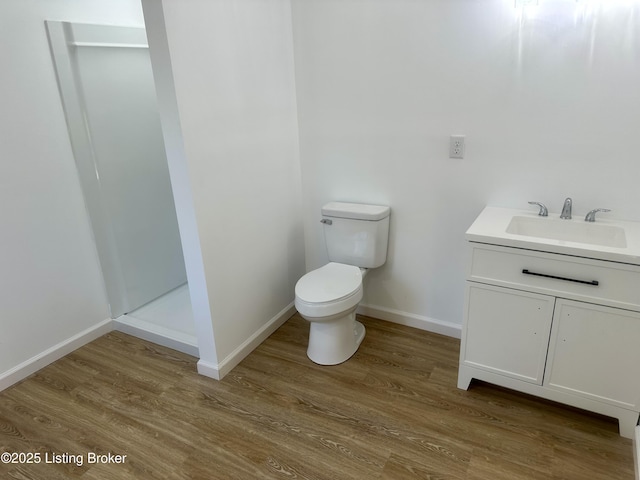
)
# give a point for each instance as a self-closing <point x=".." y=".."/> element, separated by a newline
<point x="326" y="221"/>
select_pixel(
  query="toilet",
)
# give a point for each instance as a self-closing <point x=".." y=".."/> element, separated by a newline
<point x="356" y="237"/>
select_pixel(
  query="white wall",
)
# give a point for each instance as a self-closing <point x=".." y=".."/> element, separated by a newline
<point x="232" y="66"/>
<point x="51" y="286"/>
<point x="549" y="103"/>
<point x="549" y="106"/>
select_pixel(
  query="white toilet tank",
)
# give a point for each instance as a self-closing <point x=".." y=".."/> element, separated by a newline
<point x="356" y="234"/>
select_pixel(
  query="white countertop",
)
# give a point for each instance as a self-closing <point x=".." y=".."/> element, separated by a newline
<point x="491" y="227"/>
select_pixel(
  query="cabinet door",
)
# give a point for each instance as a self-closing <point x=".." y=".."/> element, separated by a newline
<point x="595" y="353"/>
<point x="507" y="331"/>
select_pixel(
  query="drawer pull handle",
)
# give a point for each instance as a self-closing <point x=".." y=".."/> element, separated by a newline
<point x="587" y="282"/>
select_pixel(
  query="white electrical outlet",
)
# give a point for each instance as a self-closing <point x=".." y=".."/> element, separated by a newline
<point x="456" y="146"/>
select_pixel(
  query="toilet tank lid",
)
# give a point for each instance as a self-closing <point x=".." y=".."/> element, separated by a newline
<point x="355" y="211"/>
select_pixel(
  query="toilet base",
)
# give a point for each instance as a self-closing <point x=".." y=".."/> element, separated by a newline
<point x="334" y="342"/>
<point x="359" y="331"/>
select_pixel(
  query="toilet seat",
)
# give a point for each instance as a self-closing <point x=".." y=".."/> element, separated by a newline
<point x="329" y="290"/>
<point x="330" y="283"/>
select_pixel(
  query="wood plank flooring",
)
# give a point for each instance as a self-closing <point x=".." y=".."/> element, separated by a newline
<point x="392" y="412"/>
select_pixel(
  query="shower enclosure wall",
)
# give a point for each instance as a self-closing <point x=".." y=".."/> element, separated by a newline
<point x="108" y="94"/>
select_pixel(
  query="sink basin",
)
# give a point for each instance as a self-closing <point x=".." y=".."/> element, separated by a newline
<point x="577" y="231"/>
<point x="605" y="239"/>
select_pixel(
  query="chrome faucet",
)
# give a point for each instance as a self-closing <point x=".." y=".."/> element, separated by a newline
<point x="543" y="210"/>
<point x="591" y="216"/>
<point x="566" y="209"/>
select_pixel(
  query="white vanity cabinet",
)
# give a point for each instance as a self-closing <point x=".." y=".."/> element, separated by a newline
<point x="508" y="331"/>
<point x="561" y="327"/>
<point x="594" y="353"/>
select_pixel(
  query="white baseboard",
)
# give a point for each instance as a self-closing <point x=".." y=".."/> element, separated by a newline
<point x="208" y="369"/>
<point x="411" y="320"/>
<point x="32" y="365"/>
<point x="636" y="452"/>
<point x="158" y="334"/>
<point x="234" y="358"/>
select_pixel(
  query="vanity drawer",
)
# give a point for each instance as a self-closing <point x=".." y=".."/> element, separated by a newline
<point x="614" y="284"/>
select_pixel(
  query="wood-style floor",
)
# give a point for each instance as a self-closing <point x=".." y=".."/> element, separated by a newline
<point x="391" y="412"/>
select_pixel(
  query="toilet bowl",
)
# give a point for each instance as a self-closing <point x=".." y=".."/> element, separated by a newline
<point x="356" y="236"/>
<point x="328" y="298"/>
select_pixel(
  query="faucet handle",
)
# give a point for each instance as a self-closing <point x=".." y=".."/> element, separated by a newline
<point x="591" y="216"/>
<point x="543" y="210"/>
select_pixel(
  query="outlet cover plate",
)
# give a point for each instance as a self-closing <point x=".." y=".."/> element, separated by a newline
<point x="456" y="146"/>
